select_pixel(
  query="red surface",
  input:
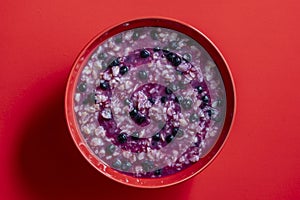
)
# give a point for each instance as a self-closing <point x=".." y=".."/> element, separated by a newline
<point x="40" y="41"/>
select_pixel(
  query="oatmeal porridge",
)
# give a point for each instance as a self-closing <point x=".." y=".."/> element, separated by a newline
<point x="150" y="102"/>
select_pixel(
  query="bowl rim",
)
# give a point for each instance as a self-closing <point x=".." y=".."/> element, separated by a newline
<point x="217" y="57"/>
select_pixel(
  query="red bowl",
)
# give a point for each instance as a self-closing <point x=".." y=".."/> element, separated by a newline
<point x="181" y="175"/>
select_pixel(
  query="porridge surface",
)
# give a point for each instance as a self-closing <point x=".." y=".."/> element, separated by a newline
<point x="150" y="102"/>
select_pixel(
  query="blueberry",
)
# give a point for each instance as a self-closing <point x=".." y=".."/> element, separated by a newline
<point x="170" y="57"/>
<point x="176" y="61"/>
<point x="143" y="75"/>
<point x="187" y="104"/>
<point x="173" y="45"/>
<point x="123" y="70"/>
<point x="122" y="138"/>
<point x="144" y="53"/>
<point x="174" y="131"/>
<point x="126" y="166"/>
<point x="117" y="164"/>
<point x="133" y="113"/>
<point x="135" y="136"/>
<point x="147" y="165"/>
<point x="139" y="119"/>
<point x="209" y="112"/>
<point x="86" y="101"/>
<point x="82" y="87"/>
<point x="152" y="101"/>
<point x="156" y="49"/>
<point x="114" y="62"/>
<point x="163" y="99"/>
<point x="158" y="172"/>
<point x="181" y="85"/>
<point x="217" y="103"/>
<point x="156" y="137"/>
<point x="127" y="101"/>
<point x="187" y="57"/>
<point x="102" y="56"/>
<point x="104" y="66"/>
<point x="110" y="149"/>
<point x="217" y="118"/>
<point x="178" y="99"/>
<point x="168" y="90"/>
<point x="104" y="85"/>
<point x="193" y="118"/>
<point x="169" y="138"/>
<point x="173" y="87"/>
<point x="91" y="98"/>
<point x="154" y="34"/>
<point x="205" y="99"/>
<point x="199" y="89"/>
<point x="118" y="39"/>
<point x="135" y="35"/>
<point x="179" y="133"/>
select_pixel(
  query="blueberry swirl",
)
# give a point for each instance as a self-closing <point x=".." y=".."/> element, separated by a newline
<point x="150" y="95"/>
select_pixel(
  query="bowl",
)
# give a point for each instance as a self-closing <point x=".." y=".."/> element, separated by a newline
<point x="149" y="102"/>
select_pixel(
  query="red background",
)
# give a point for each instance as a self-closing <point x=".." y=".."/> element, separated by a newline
<point x="41" y="39"/>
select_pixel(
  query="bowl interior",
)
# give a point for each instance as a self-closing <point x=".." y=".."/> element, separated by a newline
<point x="76" y="77"/>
